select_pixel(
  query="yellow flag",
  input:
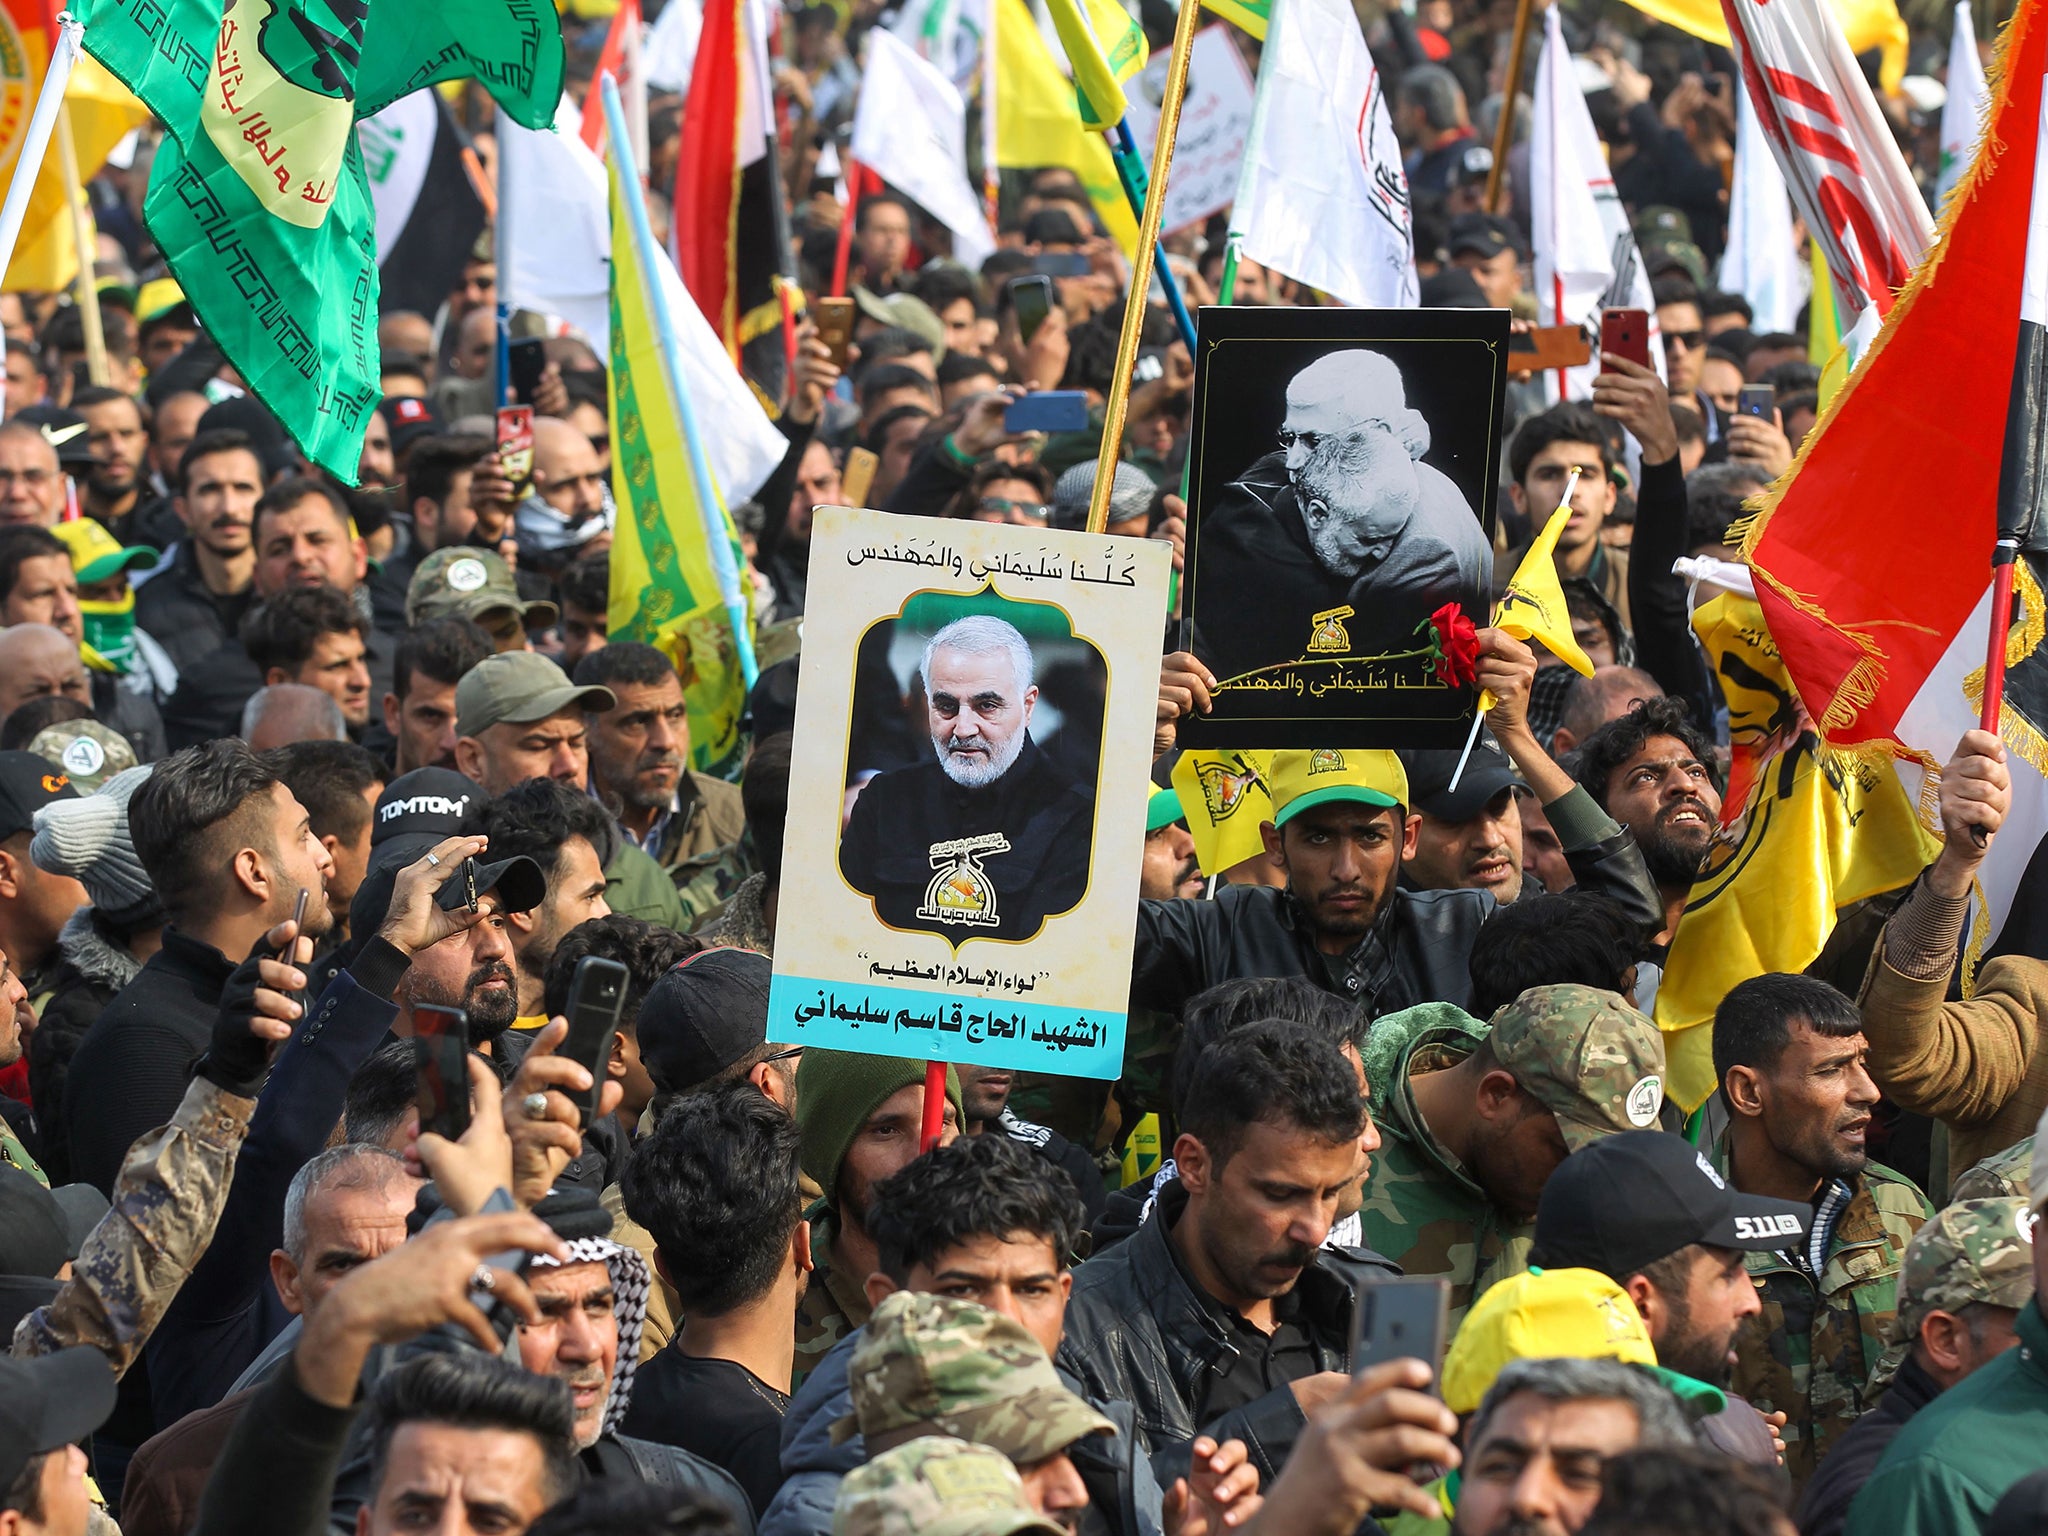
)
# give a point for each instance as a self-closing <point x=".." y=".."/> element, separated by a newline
<point x="1225" y="797"/>
<point x="1036" y="123"/>
<point x="1252" y="15"/>
<point x="1815" y="835"/>
<point x="1105" y="47"/>
<point x="1533" y="607"/>
<point x="664" y="587"/>
<point x="102" y="111"/>
<point x="1866" y="23"/>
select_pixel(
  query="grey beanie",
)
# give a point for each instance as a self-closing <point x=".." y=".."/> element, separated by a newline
<point x="1130" y="494"/>
<point x="87" y="839"/>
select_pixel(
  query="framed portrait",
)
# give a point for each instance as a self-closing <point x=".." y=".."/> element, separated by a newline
<point x="966" y="820"/>
<point x="1344" y="469"/>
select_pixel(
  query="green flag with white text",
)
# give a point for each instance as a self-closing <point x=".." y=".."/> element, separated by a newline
<point x="258" y="198"/>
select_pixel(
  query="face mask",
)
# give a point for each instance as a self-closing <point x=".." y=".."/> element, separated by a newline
<point x="110" y="630"/>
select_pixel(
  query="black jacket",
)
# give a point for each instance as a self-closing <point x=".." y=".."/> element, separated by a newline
<point x="1137" y="1331"/>
<point x="92" y="967"/>
<point x="1824" y="1511"/>
<point x="132" y="1066"/>
<point x="183" y="617"/>
<point x="1665" y="647"/>
<point x="1419" y="950"/>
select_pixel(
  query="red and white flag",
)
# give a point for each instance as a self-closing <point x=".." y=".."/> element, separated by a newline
<point x="1831" y="140"/>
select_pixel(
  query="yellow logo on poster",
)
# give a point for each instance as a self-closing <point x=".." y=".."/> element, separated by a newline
<point x="1329" y="633"/>
<point x="961" y="891"/>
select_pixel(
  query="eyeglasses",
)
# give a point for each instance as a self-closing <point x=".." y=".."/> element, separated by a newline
<point x="789" y="1055"/>
<point x="1314" y="440"/>
<point x="1692" y="340"/>
<point x="1037" y="511"/>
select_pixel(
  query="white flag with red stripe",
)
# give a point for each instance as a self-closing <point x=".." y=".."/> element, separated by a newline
<point x="1843" y="167"/>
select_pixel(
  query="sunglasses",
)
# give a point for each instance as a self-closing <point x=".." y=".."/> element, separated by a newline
<point x="1693" y="340"/>
<point x="1037" y="511"/>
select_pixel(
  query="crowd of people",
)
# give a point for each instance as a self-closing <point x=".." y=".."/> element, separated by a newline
<point x="284" y="762"/>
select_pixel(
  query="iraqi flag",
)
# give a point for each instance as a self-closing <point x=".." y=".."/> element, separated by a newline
<point x="1874" y="559"/>
<point x="428" y="214"/>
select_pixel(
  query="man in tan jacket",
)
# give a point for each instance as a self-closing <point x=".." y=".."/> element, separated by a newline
<point x="1975" y="1065"/>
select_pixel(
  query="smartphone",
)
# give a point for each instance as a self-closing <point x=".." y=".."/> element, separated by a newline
<point x="835" y="326"/>
<point x="1403" y="1318"/>
<point x="1061" y="264"/>
<point x="440" y="1045"/>
<point x="1031" y="297"/>
<point x="1758" y="400"/>
<point x="1048" y="410"/>
<point x="515" y="448"/>
<point x="526" y="361"/>
<point x="299" y="924"/>
<point x="1626" y="333"/>
<point x="597" y="996"/>
<point x="858" y="475"/>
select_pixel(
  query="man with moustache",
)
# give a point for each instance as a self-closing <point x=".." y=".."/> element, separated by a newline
<point x="194" y="605"/>
<point x="1343" y="514"/>
<point x="1649" y="771"/>
<point x="1789" y="1052"/>
<point x="1171" y="871"/>
<point x="992" y="839"/>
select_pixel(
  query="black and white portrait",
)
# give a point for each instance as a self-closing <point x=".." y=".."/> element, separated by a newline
<point x="1341" y="496"/>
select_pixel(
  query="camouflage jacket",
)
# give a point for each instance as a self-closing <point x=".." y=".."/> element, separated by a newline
<point x="743" y="921"/>
<point x="1422" y="1210"/>
<point x="166" y="1202"/>
<point x="833" y="1305"/>
<point x="704" y="849"/>
<point x="1815" y="1348"/>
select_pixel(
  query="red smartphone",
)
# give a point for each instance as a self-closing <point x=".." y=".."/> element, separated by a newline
<point x="515" y="447"/>
<point x="441" y="1051"/>
<point x="1626" y="333"/>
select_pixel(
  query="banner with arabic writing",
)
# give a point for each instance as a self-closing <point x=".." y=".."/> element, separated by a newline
<point x="968" y="828"/>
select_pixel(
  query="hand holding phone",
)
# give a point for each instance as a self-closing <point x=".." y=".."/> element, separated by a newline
<point x="1758" y="400"/>
<point x="515" y="448"/>
<point x="597" y="998"/>
<point x="1626" y="333"/>
<point x="441" y="1050"/>
<point x="835" y="326"/>
<point x="1032" y="298"/>
<point x="1405" y="1317"/>
<point x="1048" y="410"/>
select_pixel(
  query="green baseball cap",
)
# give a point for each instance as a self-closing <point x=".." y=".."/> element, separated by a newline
<point x="931" y="1365"/>
<point x="467" y="583"/>
<point x="1162" y="808"/>
<point x="96" y="554"/>
<point x="936" y="1486"/>
<point x="1584" y="1055"/>
<point x="520" y="687"/>
<point x="1974" y="1250"/>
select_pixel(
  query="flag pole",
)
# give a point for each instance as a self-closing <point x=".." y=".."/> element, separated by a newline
<point x="847" y="218"/>
<point x="86" y="289"/>
<point x="1504" y="130"/>
<point x="41" y="124"/>
<point x="709" y="507"/>
<point x="1148" y="241"/>
<point x="1130" y="170"/>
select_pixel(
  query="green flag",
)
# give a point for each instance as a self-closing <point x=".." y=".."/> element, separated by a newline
<point x="258" y="198"/>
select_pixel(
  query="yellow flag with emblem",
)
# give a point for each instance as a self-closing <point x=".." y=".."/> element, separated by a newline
<point x="1816" y="833"/>
<point x="1105" y="47"/>
<point x="1036" y="123"/>
<point x="1533" y="606"/>
<point x="664" y="585"/>
<point x="1226" y="797"/>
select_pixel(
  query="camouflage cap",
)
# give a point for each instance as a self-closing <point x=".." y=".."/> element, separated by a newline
<point x="2002" y="1173"/>
<point x="1586" y="1056"/>
<point x="90" y="752"/>
<point x="1974" y="1250"/>
<point x="461" y="582"/>
<point x="930" y="1365"/>
<point x="936" y="1486"/>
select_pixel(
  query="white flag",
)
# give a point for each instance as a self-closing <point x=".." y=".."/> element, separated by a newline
<point x="1962" y="115"/>
<point x="554" y="256"/>
<point x="1323" y="197"/>
<point x="1762" y="260"/>
<point x="911" y="130"/>
<point x="671" y="46"/>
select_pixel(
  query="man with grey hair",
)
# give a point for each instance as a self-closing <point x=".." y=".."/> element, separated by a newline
<point x="1343" y="521"/>
<point x="283" y="713"/>
<point x="1534" y="1448"/>
<point x="992" y="838"/>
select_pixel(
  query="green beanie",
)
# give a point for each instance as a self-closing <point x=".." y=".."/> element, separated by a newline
<point x="836" y="1091"/>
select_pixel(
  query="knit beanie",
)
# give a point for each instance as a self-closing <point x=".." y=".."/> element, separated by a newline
<point x="88" y="840"/>
<point x="836" y="1091"/>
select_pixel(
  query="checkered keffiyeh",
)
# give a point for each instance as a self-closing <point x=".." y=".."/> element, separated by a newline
<point x="630" y="1285"/>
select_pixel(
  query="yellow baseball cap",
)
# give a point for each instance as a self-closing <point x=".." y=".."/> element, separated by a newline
<point x="1304" y="779"/>
<point x="1547" y="1314"/>
<point x="96" y="554"/>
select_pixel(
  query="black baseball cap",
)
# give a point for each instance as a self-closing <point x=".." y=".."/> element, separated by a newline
<point x="64" y="430"/>
<point x="418" y="810"/>
<point x="27" y="784"/>
<point x="1486" y="235"/>
<point x="1487" y="773"/>
<point x="704" y="1014"/>
<point x="41" y="1230"/>
<point x="1632" y="1199"/>
<point x="48" y="1401"/>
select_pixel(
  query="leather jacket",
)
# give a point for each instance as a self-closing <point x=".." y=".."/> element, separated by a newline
<point x="1137" y="1331"/>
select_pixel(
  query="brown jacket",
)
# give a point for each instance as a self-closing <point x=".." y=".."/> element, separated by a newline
<point x="1975" y="1065"/>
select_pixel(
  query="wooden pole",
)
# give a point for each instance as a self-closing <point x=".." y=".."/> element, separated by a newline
<point x="1504" y="131"/>
<point x="1141" y="267"/>
<point x="86" y="287"/>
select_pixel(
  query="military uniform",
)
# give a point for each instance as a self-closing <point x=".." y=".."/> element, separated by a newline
<point x="743" y="922"/>
<point x="833" y="1305"/>
<point x="2000" y="1174"/>
<point x="1585" y="1055"/>
<point x="702" y="846"/>
<point x="937" y="1486"/>
<point x="1823" y="1335"/>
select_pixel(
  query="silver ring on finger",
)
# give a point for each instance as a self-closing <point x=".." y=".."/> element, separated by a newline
<point x="433" y="861"/>
<point x="535" y="1105"/>
<point x="485" y="1279"/>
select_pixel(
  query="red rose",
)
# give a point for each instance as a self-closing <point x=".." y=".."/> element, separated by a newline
<point x="1457" y="646"/>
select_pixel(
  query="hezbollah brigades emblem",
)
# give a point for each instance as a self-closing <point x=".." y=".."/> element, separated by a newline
<point x="961" y="892"/>
<point x="1223" y="790"/>
<point x="1329" y="634"/>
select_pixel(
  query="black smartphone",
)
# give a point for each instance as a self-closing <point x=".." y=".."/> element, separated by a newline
<point x="526" y="359"/>
<point x="1758" y="400"/>
<point x="298" y="925"/>
<point x="1403" y="1318"/>
<point x="440" y="1044"/>
<point x="1061" y="264"/>
<point x="597" y="996"/>
<point x="1031" y="297"/>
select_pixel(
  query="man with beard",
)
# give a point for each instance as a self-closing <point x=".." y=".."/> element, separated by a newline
<point x="194" y="605"/>
<point x="1648" y="770"/>
<point x="689" y="823"/>
<point x="1170" y="871"/>
<point x="419" y="712"/>
<point x="115" y="492"/>
<point x="1789" y="1054"/>
<point x="565" y="833"/>
<point x="1468" y="838"/>
<point x="1344" y="513"/>
<point x="992" y="839"/>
